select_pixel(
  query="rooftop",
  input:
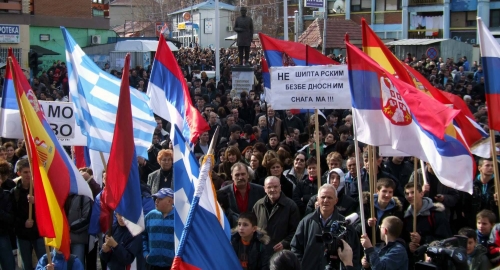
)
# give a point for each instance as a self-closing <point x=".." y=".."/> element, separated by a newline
<point x="313" y="35"/>
<point x="210" y="4"/>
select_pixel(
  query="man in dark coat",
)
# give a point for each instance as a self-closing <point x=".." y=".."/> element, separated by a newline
<point x="242" y="194"/>
<point x="277" y="214"/>
<point x="244" y="27"/>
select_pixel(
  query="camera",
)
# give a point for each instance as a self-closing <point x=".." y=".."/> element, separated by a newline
<point x="450" y="253"/>
<point x="332" y="237"/>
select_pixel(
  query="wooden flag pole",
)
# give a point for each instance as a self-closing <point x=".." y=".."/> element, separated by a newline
<point x="415" y="179"/>
<point x="371" y="181"/>
<point x="318" y="154"/>
<point x="495" y="166"/>
<point x="49" y="256"/>
<point x="358" y="173"/>
<point x="424" y="173"/>
<point x="26" y="140"/>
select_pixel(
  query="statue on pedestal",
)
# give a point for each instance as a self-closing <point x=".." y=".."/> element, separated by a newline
<point x="243" y="26"/>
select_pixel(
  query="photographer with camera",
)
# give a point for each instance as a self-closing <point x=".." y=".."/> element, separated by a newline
<point x="320" y="234"/>
<point x="393" y="254"/>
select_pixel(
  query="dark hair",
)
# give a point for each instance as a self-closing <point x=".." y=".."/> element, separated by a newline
<point x="385" y="182"/>
<point x="261" y="147"/>
<point x="482" y="160"/>
<point x="248" y="129"/>
<point x="234" y="128"/>
<point x="284" y="260"/>
<point x="250" y="216"/>
<point x="273" y="135"/>
<point x="5" y="168"/>
<point x="410" y="185"/>
<point x="21" y="164"/>
<point x="311" y="161"/>
<point x="468" y="232"/>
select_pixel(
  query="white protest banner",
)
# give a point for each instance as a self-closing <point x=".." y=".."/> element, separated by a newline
<point x="314" y="87"/>
<point x="61" y="118"/>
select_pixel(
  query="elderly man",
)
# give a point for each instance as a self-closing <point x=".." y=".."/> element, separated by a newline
<point x="242" y="194"/>
<point x="277" y="214"/>
<point x="308" y="250"/>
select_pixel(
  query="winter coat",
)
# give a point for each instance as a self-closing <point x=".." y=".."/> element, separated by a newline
<point x="478" y="260"/>
<point x="155" y="177"/>
<point x="244" y="29"/>
<point x="60" y="262"/>
<point x="303" y="193"/>
<point x="392" y="256"/>
<point x="345" y="204"/>
<point x="401" y="171"/>
<point x="281" y="222"/>
<point x="394" y="208"/>
<point x="78" y="208"/>
<point x="310" y="252"/>
<point x="451" y="195"/>
<point x="292" y="176"/>
<point x="257" y="256"/>
<point x="6" y="214"/>
<point x="20" y="206"/>
<point x="256" y="193"/>
<point x="129" y="247"/>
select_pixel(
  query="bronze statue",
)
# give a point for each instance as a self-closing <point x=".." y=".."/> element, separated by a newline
<point x="244" y="29"/>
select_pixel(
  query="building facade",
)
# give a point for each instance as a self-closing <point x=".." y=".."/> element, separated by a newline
<point x="39" y="21"/>
<point x="197" y="24"/>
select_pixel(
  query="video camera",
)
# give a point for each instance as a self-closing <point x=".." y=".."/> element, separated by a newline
<point x="332" y="237"/>
<point x="450" y="253"/>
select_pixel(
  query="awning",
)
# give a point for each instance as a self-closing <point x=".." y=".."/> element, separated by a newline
<point x="42" y="50"/>
<point x="411" y="42"/>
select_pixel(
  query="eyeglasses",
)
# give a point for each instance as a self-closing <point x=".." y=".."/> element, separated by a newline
<point x="299" y="159"/>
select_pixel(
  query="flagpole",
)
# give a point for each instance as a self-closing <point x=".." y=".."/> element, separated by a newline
<point x="358" y="173"/>
<point x="371" y="181"/>
<point x="318" y="154"/>
<point x="47" y="251"/>
<point x="26" y="139"/>
<point x="424" y="174"/>
<point x="415" y="179"/>
<point x="495" y="166"/>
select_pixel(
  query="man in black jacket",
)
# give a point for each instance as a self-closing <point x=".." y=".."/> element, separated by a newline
<point x="277" y="214"/>
<point x="308" y="250"/>
<point x="242" y="194"/>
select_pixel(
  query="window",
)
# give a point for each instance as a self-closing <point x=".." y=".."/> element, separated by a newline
<point x="495" y="18"/>
<point x="392" y="4"/>
<point x="471" y="19"/>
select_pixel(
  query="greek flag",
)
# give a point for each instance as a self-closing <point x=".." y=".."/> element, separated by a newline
<point x="95" y="94"/>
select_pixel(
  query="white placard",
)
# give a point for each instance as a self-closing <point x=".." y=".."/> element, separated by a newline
<point x="242" y="81"/>
<point x="61" y="117"/>
<point x="314" y="87"/>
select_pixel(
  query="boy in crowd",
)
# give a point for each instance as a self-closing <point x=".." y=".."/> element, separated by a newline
<point x="476" y="253"/>
<point x="485" y="220"/>
<point x="393" y="254"/>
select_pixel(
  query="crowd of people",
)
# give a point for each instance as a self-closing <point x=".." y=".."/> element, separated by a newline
<point x="266" y="176"/>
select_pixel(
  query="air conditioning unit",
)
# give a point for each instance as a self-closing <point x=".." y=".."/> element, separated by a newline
<point x="230" y="29"/>
<point x="95" y="39"/>
<point x="318" y="14"/>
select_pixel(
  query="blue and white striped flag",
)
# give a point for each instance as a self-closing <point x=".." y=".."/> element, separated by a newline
<point x="95" y="94"/>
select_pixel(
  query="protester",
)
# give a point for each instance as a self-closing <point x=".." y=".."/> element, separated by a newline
<point x="249" y="243"/>
<point x="477" y="258"/>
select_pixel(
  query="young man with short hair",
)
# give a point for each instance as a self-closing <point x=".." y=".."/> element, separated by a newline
<point x="393" y="254"/>
<point x="476" y="253"/>
<point x="485" y="220"/>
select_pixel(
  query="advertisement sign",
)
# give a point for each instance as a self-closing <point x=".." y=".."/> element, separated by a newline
<point x="313" y="3"/>
<point x="9" y="33"/>
<point x="315" y="87"/>
<point x="61" y="118"/>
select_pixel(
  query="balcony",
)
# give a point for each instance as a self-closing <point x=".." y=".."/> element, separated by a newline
<point x="424" y="2"/>
<point x="11" y="7"/>
<point x="421" y="34"/>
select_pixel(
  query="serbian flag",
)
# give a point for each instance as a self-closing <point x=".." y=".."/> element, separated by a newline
<point x="464" y="128"/>
<point x="490" y="57"/>
<point x="10" y="124"/>
<point x="288" y="53"/>
<point x="390" y="112"/>
<point x="54" y="174"/>
<point x="170" y="99"/>
<point x="122" y="192"/>
<point x="203" y="233"/>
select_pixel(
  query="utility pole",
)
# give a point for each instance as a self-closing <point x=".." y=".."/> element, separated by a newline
<point x="192" y="22"/>
<point x="285" y="20"/>
<point x="296" y="26"/>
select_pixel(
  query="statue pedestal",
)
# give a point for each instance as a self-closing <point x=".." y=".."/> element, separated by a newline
<point x="243" y="79"/>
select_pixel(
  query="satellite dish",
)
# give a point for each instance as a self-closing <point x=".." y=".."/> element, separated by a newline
<point x="338" y="6"/>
